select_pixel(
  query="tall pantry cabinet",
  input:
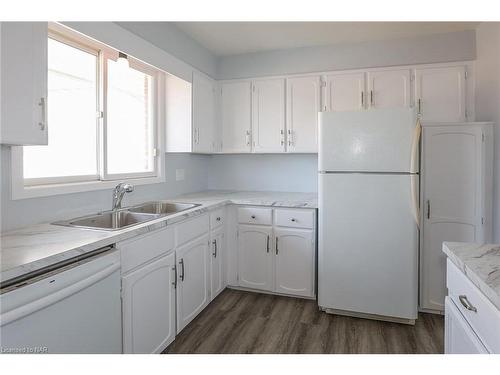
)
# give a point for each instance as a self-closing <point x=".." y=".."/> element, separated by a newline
<point x="456" y="193"/>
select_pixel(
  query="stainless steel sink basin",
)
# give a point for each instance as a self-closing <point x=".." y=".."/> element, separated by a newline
<point x="110" y="220"/>
<point x="162" y="207"/>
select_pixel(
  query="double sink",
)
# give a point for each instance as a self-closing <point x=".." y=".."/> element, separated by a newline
<point x="127" y="217"/>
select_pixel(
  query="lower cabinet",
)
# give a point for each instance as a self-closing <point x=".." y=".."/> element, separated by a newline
<point x="255" y="260"/>
<point x="217" y="263"/>
<point x="193" y="280"/>
<point x="294" y="249"/>
<point x="148" y="295"/>
<point x="459" y="336"/>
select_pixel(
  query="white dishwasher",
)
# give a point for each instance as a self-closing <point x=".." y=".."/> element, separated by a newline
<point x="72" y="308"/>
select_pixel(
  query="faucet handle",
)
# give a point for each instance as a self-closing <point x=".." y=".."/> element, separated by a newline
<point x="128" y="188"/>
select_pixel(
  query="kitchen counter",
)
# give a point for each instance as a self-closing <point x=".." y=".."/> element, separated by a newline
<point x="32" y="248"/>
<point x="481" y="265"/>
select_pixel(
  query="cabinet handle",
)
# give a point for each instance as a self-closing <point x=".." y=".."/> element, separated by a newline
<point x="293" y="219"/>
<point x="253" y="216"/>
<point x="290" y="140"/>
<point x="282" y="133"/>
<point x="428" y="209"/>
<point x="181" y="276"/>
<point x="419" y="101"/>
<point x="218" y="218"/>
<point x="247" y="135"/>
<point x="465" y="303"/>
<point x="372" y="102"/>
<point x="276" y="245"/>
<point x="267" y="246"/>
<point x="362" y="99"/>
<point x="174" y="283"/>
<point x="214" y="242"/>
<point x="43" y="104"/>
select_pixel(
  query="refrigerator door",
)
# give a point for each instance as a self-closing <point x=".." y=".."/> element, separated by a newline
<point x="368" y="242"/>
<point x="376" y="140"/>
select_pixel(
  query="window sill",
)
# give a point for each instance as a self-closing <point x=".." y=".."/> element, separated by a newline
<point x="23" y="192"/>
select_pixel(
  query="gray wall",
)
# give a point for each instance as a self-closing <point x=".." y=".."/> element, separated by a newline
<point x="276" y="172"/>
<point x="168" y="37"/>
<point x="23" y="212"/>
<point x="488" y="99"/>
<point x="457" y="46"/>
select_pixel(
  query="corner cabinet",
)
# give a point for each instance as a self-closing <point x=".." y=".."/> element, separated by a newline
<point x="24" y="83"/>
<point x="456" y="198"/>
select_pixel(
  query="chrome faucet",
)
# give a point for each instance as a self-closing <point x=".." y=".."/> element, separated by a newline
<point x="118" y="193"/>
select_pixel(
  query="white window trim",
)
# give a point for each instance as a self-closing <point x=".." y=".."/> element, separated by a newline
<point x="77" y="184"/>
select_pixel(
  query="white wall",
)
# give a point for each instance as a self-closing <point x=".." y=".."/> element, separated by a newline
<point x="24" y="212"/>
<point x="276" y="172"/>
<point x="488" y="99"/>
<point x="457" y="46"/>
<point x="168" y="37"/>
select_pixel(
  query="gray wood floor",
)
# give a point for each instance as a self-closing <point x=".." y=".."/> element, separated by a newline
<point x="244" y="322"/>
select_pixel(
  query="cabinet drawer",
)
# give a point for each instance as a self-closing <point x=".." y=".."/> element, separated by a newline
<point x="191" y="229"/>
<point x="142" y="249"/>
<point x="252" y="215"/>
<point x="217" y="218"/>
<point x="294" y="218"/>
<point x="485" y="320"/>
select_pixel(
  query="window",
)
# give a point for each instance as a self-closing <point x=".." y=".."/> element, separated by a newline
<point x="102" y="114"/>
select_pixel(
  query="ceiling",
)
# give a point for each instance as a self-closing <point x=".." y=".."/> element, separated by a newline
<point x="229" y="38"/>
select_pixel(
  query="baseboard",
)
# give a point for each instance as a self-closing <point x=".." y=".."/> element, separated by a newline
<point x="369" y="316"/>
<point x="430" y="311"/>
<point x="268" y="292"/>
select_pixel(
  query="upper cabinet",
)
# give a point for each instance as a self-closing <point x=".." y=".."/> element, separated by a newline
<point x="178" y="126"/>
<point x="236" y="116"/>
<point x="268" y="115"/>
<point x="24" y="83"/>
<point x="388" y="89"/>
<point x="205" y="138"/>
<point x="440" y="94"/>
<point x="303" y="102"/>
<point x="345" y="92"/>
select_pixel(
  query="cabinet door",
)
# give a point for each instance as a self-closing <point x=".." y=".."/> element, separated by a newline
<point x="236" y="116"/>
<point x="149" y="307"/>
<point x="440" y="94"/>
<point x="255" y="259"/>
<point x="204" y="134"/>
<point x="459" y="336"/>
<point x="24" y="83"/>
<point x="268" y="115"/>
<point x="345" y="92"/>
<point x="294" y="250"/>
<point x="389" y="89"/>
<point x="303" y="104"/>
<point x="451" y="203"/>
<point x="217" y="274"/>
<point x="193" y="280"/>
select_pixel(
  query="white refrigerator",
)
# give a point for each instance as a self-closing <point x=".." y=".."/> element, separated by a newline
<point x="368" y="213"/>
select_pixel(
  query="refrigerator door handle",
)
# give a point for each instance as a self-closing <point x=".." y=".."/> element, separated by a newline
<point x="414" y="195"/>
<point x="415" y="146"/>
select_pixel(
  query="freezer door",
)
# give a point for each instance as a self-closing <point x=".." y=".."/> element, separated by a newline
<point x="368" y="242"/>
<point x="376" y="140"/>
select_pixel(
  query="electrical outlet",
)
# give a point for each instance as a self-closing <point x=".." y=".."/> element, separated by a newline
<point x="179" y="174"/>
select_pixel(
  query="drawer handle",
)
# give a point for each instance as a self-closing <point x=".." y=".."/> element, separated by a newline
<point x="293" y="219"/>
<point x="181" y="276"/>
<point x="465" y="303"/>
<point x="218" y="218"/>
<point x="253" y="216"/>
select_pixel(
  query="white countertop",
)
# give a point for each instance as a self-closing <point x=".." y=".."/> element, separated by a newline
<point x="481" y="265"/>
<point x="32" y="248"/>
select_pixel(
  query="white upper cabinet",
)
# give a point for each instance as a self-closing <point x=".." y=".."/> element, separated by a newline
<point x="204" y="130"/>
<point x="268" y="115"/>
<point x="440" y="94"/>
<point x="345" y="92"/>
<point x="24" y="83"/>
<point x="178" y="103"/>
<point x="303" y="95"/>
<point x="236" y="116"/>
<point x="388" y="88"/>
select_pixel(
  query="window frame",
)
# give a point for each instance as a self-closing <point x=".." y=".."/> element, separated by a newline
<point x="46" y="186"/>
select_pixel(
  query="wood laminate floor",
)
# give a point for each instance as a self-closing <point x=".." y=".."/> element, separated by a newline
<point x="246" y="322"/>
